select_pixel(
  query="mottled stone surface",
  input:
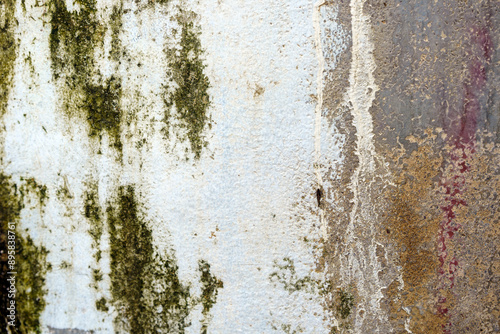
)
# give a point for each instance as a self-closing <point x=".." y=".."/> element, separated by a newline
<point x="229" y="166"/>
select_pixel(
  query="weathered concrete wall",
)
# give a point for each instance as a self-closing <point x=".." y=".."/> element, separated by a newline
<point x="247" y="167"/>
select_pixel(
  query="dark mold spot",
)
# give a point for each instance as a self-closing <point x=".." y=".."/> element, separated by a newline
<point x="102" y="305"/>
<point x="259" y="90"/>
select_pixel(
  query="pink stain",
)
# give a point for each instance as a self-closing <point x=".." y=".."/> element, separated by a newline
<point x="461" y="130"/>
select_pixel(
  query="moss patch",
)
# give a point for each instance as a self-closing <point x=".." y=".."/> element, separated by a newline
<point x="103" y="111"/>
<point x="286" y="275"/>
<point x="145" y="285"/>
<point x="345" y="304"/>
<point x="8" y="51"/>
<point x="73" y="40"/>
<point x="116" y="26"/>
<point x="191" y="97"/>
<point x="32" y="268"/>
<point x="30" y="265"/>
<point x="93" y="214"/>
<point x="39" y="190"/>
<point x="210" y="287"/>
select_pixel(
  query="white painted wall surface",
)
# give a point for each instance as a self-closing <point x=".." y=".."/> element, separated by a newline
<point x="246" y="203"/>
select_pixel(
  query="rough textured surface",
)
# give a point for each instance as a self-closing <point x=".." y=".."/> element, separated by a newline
<point x="228" y="166"/>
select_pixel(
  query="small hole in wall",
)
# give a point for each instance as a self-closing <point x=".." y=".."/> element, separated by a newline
<point x="319" y="194"/>
<point x="388" y="231"/>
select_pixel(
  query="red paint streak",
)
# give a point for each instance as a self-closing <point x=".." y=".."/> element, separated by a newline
<point x="461" y="129"/>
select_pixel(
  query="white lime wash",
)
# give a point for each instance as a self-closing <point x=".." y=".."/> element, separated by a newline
<point x="361" y="266"/>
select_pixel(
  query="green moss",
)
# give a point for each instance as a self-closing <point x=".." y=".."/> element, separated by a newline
<point x="8" y="51"/>
<point x="116" y="26"/>
<point x="173" y="300"/>
<point x="337" y="302"/>
<point x="93" y="214"/>
<point x="30" y="265"/>
<point x="287" y="276"/>
<point x="191" y="97"/>
<point x="345" y="303"/>
<point x="102" y="305"/>
<point x="74" y="38"/>
<point x="92" y="211"/>
<point x="32" y="268"/>
<point x="210" y="287"/>
<point x="32" y="186"/>
<point x="103" y="111"/>
<point x="145" y="285"/>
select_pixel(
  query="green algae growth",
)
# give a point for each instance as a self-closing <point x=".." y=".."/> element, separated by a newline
<point x="30" y="265"/>
<point x="74" y="38"/>
<point x="145" y="285"/>
<point x="8" y="50"/>
<point x="191" y="97"/>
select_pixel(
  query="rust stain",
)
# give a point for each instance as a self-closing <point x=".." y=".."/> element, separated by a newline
<point x="443" y="219"/>
<point x="412" y="221"/>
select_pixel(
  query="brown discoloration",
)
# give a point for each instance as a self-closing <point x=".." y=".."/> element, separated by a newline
<point x="435" y="69"/>
<point x="412" y="222"/>
<point x="337" y="177"/>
